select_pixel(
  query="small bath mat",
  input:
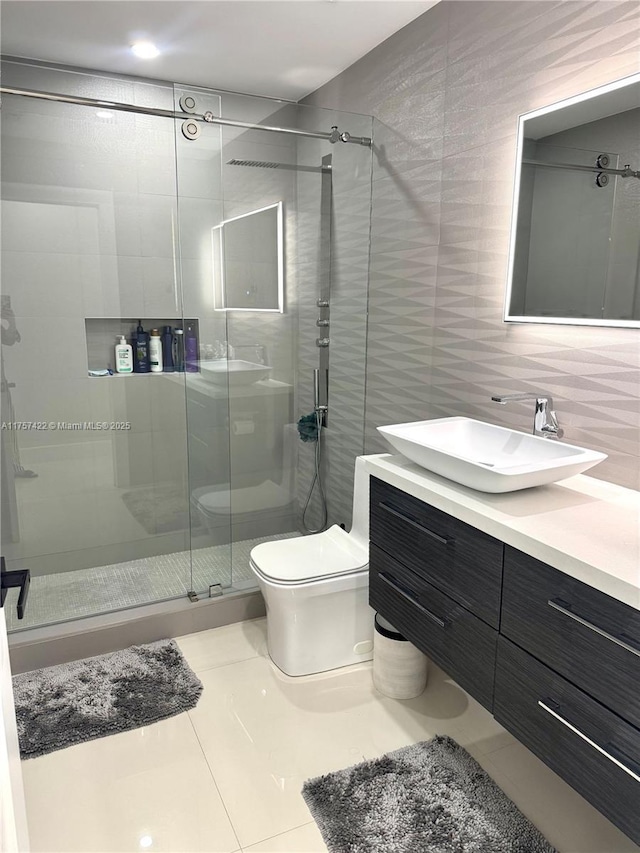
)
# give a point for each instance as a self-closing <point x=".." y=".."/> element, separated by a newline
<point x="62" y="705"/>
<point x="431" y="796"/>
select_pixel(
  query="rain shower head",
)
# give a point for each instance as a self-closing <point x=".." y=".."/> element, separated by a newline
<point x="266" y="164"/>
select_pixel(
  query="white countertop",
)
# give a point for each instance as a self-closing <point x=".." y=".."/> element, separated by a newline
<point x="587" y="528"/>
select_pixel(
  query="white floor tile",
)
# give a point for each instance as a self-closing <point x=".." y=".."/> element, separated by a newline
<point x="222" y="646"/>
<point x="148" y="789"/>
<point x="229" y="774"/>
<point x="265" y="733"/>
<point x="304" y="839"/>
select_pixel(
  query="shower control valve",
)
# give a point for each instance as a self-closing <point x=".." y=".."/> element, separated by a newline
<point x="321" y="322"/>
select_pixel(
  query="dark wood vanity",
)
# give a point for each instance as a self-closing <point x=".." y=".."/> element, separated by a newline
<point x="556" y="661"/>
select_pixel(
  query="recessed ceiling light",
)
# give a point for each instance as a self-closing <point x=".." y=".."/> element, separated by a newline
<point x="145" y="50"/>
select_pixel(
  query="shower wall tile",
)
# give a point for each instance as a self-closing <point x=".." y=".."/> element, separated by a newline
<point x="452" y="85"/>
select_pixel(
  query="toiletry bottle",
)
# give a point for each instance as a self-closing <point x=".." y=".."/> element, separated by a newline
<point x="167" y="350"/>
<point x="141" y="341"/>
<point x="155" y="351"/>
<point x="190" y="349"/>
<point x="178" y="355"/>
<point x="124" y="356"/>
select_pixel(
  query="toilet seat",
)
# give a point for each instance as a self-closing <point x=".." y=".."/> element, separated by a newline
<point x="305" y="559"/>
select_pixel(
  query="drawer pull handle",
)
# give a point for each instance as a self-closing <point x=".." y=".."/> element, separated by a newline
<point x="588" y="740"/>
<point x="441" y="539"/>
<point x="562" y="607"/>
<point x="408" y="597"/>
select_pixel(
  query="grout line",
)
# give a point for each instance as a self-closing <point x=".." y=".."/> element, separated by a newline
<point x="202" y="670"/>
<point x="278" y="835"/>
<point x="213" y="778"/>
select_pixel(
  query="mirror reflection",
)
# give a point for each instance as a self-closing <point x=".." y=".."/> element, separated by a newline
<point x="248" y="261"/>
<point x="575" y="241"/>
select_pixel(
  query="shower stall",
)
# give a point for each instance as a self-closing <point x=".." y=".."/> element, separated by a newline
<point x="241" y="221"/>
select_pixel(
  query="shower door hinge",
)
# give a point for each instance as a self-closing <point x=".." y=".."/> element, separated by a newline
<point x="215" y="590"/>
<point x="192" y="596"/>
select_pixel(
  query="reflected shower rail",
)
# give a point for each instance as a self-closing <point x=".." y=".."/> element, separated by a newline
<point x="335" y="135"/>
<point x="627" y="172"/>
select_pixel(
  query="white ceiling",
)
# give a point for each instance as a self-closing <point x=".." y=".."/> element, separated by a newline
<point x="281" y="48"/>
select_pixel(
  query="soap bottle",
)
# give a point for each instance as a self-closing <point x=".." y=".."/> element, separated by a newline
<point x="167" y="350"/>
<point x="155" y="351"/>
<point x="178" y="355"/>
<point x="141" y="340"/>
<point x="124" y="356"/>
<point x="190" y="349"/>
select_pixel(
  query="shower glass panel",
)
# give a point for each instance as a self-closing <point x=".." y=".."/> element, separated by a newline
<point x="200" y="207"/>
<point x="122" y="490"/>
<point x="265" y="357"/>
<point x="95" y="477"/>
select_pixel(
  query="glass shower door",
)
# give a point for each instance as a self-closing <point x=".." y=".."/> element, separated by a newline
<point x="94" y="487"/>
<point x="200" y="209"/>
<point x="271" y="223"/>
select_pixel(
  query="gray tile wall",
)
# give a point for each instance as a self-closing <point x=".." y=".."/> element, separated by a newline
<point x="333" y="260"/>
<point x="446" y="91"/>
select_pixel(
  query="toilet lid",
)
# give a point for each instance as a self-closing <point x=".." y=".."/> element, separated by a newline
<point x="308" y="558"/>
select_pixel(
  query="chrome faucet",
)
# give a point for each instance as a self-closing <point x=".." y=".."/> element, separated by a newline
<point x="545" y="422"/>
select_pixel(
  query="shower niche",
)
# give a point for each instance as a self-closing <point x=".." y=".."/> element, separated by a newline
<point x="102" y="335"/>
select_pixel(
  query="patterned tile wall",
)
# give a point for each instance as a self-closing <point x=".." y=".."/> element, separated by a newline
<point x="446" y="91"/>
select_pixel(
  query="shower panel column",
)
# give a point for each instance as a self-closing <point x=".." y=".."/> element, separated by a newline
<point x="321" y="376"/>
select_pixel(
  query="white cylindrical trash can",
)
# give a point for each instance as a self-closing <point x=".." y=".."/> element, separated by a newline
<point x="399" y="669"/>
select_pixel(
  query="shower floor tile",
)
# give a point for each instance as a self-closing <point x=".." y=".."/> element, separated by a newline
<point x="63" y="596"/>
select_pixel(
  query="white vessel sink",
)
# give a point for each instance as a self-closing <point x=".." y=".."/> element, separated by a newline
<point x="487" y="457"/>
<point x="234" y="371"/>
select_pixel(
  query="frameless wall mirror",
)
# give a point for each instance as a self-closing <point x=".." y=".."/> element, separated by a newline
<point x="575" y="232"/>
<point x="248" y="261"/>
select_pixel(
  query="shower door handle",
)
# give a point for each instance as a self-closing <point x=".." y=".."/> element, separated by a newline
<point x="21" y="578"/>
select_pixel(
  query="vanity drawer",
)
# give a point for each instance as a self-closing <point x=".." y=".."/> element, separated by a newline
<point x="585" y="635"/>
<point x="463" y="645"/>
<point x="592" y="748"/>
<point x="461" y="561"/>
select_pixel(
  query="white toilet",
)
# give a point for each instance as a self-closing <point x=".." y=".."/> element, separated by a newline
<point x="316" y="591"/>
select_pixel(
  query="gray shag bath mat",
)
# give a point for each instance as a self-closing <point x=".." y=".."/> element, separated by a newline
<point x="431" y="797"/>
<point x="62" y="705"/>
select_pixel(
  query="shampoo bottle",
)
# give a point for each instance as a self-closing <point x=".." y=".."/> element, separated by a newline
<point x="141" y="340"/>
<point x="155" y="351"/>
<point x="167" y="350"/>
<point x="124" y="356"/>
<point x="190" y="349"/>
<point x="178" y="355"/>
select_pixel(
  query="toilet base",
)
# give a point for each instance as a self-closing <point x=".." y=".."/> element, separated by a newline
<point x="319" y="626"/>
